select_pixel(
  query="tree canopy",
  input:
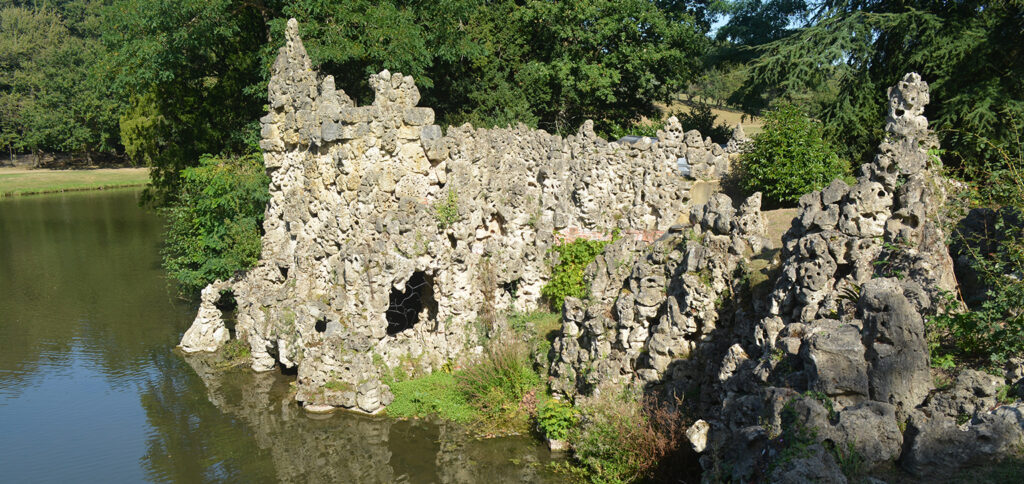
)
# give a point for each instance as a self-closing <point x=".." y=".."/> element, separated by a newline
<point x="970" y="52"/>
<point x="165" y="81"/>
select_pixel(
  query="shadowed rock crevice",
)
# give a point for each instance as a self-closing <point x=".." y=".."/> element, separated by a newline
<point x="407" y="307"/>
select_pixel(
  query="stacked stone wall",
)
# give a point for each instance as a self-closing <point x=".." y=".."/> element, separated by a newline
<point x="364" y="199"/>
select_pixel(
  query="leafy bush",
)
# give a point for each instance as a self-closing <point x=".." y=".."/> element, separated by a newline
<point x="625" y="440"/>
<point x="555" y="418"/>
<point x="992" y="330"/>
<point x="702" y="119"/>
<point x="567" y="276"/>
<point x="215" y="226"/>
<point x="788" y="158"/>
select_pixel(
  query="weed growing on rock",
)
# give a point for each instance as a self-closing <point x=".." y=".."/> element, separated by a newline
<point x="233" y="354"/>
<point x="555" y="418"/>
<point x="447" y="211"/>
<point x="338" y="386"/>
<point x="568" y="274"/>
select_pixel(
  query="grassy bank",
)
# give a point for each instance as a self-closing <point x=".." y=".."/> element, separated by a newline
<point x="616" y="437"/>
<point x="497" y="392"/>
<point x="22" y="181"/>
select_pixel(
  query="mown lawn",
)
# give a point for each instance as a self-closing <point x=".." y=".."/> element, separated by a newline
<point x="22" y="181"/>
<point x="751" y="124"/>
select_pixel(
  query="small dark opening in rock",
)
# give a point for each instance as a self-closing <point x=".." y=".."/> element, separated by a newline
<point x="511" y="288"/>
<point x="453" y="241"/>
<point x="321" y="325"/>
<point x="843" y="270"/>
<point x="406" y="307"/>
<point x="284" y="271"/>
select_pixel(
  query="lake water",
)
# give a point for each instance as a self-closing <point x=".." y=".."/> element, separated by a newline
<point x="91" y="389"/>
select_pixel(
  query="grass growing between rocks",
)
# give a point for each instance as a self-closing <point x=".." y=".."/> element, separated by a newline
<point x="495" y="393"/>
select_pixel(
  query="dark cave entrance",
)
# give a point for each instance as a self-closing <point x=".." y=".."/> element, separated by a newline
<point x="228" y="306"/>
<point x="406" y="307"/>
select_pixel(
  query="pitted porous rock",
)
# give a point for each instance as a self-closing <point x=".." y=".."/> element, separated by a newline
<point x="667" y="306"/>
<point x="208" y="332"/>
<point x="886" y="224"/>
<point x="839" y="349"/>
<point x="863" y="265"/>
<point x="385" y="237"/>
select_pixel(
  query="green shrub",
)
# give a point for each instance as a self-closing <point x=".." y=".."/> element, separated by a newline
<point x="567" y="276"/>
<point x="496" y="385"/>
<point x="991" y="331"/>
<point x="702" y="119"/>
<point x="215" y="226"/>
<point x="555" y="418"/>
<point x="788" y="158"/>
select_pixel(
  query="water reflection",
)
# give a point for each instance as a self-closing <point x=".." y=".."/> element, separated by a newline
<point x="81" y="271"/>
<point x="91" y="390"/>
<point x="346" y="447"/>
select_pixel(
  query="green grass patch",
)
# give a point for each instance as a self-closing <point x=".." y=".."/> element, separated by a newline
<point x="19" y="181"/>
<point x="435" y="394"/>
<point x="497" y="393"/>
<point x="234" y="353"/>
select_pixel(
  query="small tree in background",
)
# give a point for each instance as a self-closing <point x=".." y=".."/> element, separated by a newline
<point x="789" y="158"/>
<point x="215" y="226"/>
<point x="701" y="118"/>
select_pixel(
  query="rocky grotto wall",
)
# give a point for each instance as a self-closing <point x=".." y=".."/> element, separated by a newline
<point x="829" y="338"/>
<point x="386" y="237"/>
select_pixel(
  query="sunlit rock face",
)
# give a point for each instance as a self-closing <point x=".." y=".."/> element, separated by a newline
<point x="832" y="337"/>
<point x="385" y="236"/>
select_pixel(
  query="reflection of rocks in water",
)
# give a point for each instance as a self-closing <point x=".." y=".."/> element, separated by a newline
<point x="345" y="447"/>
<point x="338" y="449"/>
<point x="463" y="459"/>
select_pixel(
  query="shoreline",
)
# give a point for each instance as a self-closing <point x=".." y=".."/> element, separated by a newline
<point x="16" y="182"/>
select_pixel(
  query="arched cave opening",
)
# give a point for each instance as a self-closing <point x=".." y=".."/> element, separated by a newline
<point x="321" y="325"/>
<point x="228" y="306"/>
<point x="405" y="308"/>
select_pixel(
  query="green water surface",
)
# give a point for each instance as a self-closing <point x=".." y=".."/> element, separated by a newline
<point x="91" y="389"/>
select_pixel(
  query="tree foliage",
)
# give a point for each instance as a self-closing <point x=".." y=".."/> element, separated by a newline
<point x="789" y="158"/>
<point x="54" y="94"/>
<point x="971" y="53"/>
<point x="215" y="225"/>
<point x="194" y="75"/>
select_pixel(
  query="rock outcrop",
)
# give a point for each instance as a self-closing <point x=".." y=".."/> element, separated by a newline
<point x="386" y="237"/>
<point x="645" y="329"/>
<point x="833" y="358"/>
<point x="208" y="331"/>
